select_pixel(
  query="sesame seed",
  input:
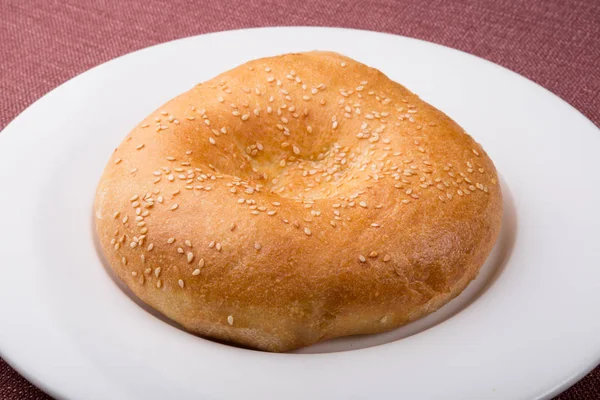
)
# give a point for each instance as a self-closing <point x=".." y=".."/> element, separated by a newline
<point x="150" y="247"/>
<point x="362" y="258"/>
<point x="157" y="271"/>
<point x="211" y="140"/>
<point x="181" y="284"/>
<point x="387" y="258"/>
<point x="133" y="273"/>
<point x="218" y="247"/>
<point x="363" y="204"/>
<point x="159" y="284"/>
<point x="257" y="246"/>
<point x="201" y="263"/>
<point x="230" y="320"/>
<point x="124" y="261"/>
<point x="118" y="160"/>
<point x="196" y="272"/>
<point x="190" y="257"/>
<point x="373" y="254"/>
<point x="188" y="243"/>
<point x="307" y="231"/>
<point x="174" y="207"/>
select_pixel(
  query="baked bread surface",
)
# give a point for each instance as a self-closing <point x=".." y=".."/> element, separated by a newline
<point x="294" y="199"/>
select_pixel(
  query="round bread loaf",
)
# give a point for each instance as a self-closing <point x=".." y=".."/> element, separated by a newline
<point x="294" y="199"/>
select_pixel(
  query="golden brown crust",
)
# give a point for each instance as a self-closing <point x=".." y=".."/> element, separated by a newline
<point x="297" y="198"/>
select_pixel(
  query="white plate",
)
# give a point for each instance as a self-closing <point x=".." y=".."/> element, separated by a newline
<point x="526" y="329"/>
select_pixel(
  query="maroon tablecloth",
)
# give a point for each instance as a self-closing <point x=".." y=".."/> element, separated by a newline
<point x="44" y="43"/>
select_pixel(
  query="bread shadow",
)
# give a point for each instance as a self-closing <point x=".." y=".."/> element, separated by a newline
<point x="489" y="273"/>
<point x="492" y="269"/>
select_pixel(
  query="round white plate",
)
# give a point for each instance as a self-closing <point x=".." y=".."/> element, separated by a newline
<point x="526" y="329"/>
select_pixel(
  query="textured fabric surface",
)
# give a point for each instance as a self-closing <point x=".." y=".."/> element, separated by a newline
<point x="44" y="43"/>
